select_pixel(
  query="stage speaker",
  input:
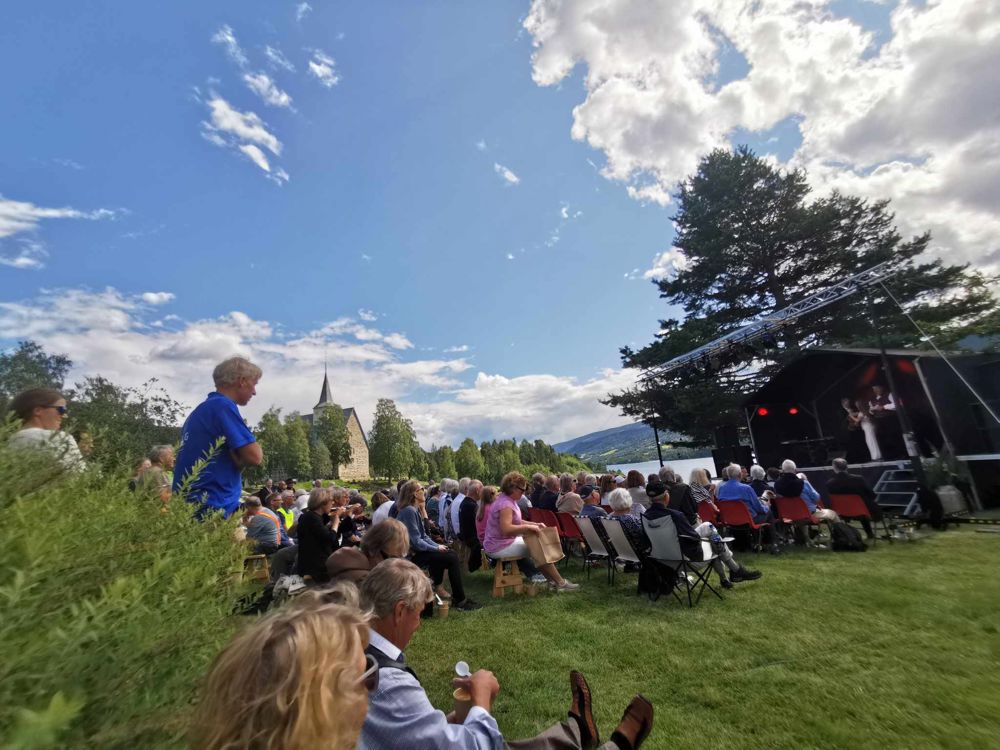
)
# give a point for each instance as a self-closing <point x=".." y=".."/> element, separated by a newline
<point x="727" y="436"/>
<point x="738" y="454"/>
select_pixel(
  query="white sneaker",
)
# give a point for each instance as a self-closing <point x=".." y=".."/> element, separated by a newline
<point x="567" y="586"/>
<point x="538" y="578"/>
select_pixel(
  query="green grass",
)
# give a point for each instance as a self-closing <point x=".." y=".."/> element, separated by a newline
<point x="893" y="648"/>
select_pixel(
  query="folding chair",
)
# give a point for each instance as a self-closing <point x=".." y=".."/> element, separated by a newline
<point x="607" y="509"/>
<point x="793" y="510"/>
<point x="598" y="550"/>
<point x="666" y="548"/>
<point x="569" y="532"/>
<point x="548" y="517"/>
<point x="624" y="552"/>
<point x="708" y="513"/>
<point x="533" y="515"/>
<point x="853" y="508"/>
<point x="733" y="514"/>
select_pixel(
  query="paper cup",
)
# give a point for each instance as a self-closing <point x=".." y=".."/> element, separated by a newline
<point x="463" y="702"/>
<point x="443" y="610"/>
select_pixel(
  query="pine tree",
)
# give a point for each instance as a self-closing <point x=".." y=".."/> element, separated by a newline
<point x="752" y="242"/>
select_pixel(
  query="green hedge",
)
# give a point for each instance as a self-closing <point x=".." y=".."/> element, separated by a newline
<point x="110" y="611"/>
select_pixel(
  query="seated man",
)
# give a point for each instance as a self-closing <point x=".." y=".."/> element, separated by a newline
<point x="681" y="497"/>
<point x="791" y="484"/>
<point x="467" y="533"/>
<point x="264" y="528"/>
<point x="549" y="496"/>
<point x="591" y="497"/>
<point x="401" y="716"/>
<point x="733" y="489"/>
<point x="842" y="483"/>
<point x="689" y="536"/>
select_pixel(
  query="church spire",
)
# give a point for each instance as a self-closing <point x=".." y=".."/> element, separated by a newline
<point x="325" y="395"/>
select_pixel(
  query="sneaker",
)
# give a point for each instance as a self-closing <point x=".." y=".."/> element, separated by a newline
<point x="726" y="583"/>
<point x="745" y="574"/>
<point x="567" y="586"/>
<point x="467" y="605"/>
<point x="538" y="578"/>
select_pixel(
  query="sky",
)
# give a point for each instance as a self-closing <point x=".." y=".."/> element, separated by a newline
<point x="459" y="206"/>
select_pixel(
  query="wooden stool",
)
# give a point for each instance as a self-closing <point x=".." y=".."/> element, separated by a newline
<point x="257" y="567"/>
<point x="509" y="579"/>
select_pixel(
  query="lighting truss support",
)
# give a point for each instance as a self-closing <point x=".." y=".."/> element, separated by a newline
<point x="777" y="320"/>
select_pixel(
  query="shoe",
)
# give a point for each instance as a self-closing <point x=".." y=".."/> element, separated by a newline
<point x="580" y="709"/>
<point x="744" y="574"/>
<point x="467" y="605"/>
<point x="538" y="578"/>
<point x="636" y="723"/>
<point x="726" y="583"/>
<point x="442" y="593"/>
<point x="567" y="586"/>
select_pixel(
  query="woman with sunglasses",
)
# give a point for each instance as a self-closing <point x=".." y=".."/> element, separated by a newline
<point x="41" y="411"/>
<point x="295" y="680"/>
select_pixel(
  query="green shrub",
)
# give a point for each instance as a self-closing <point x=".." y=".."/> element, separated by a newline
<point x="110" y="611"/>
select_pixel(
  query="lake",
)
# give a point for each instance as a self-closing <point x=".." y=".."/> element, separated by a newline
<point x="683" y="466"/>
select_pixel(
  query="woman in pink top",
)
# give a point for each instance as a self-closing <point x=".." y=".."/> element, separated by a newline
<point x="505" y="530"/>
<point x="488" y="496"/>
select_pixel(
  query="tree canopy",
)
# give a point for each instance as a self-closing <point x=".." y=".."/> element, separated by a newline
<point x="751" y="240"/>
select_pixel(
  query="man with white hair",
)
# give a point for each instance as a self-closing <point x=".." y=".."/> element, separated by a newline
<point x="792" y="484"/>
<point x="456" y="505"/>
<point x="844" y="483"/>
<point x="681" y="496"/>
<point x="400" y="715"/>
<point x="449" y="489"/>
<point x="217" y="430"/>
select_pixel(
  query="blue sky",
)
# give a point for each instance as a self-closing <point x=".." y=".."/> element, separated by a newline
<point x="434" y="214"/>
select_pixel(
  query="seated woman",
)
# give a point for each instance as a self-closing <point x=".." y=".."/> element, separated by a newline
<point x="702" y="489"/>
<point x="621" y="509"/>
<point x="426" y="553"/>
<point x="384" y="541"/>
<point x="321" y="700"/>
<point x="319" y="534"/>
<point x="505" y="530"/>
<point x="489" y="495"/>
<point x="635" y="483"/>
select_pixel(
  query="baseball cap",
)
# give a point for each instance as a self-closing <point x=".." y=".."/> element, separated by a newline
<point x="347" y="564"/>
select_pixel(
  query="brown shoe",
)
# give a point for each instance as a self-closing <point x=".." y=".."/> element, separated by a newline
<point x="636" y="723"/>
<point x="580" y="709"/>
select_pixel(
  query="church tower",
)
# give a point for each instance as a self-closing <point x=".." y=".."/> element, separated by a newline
<point x="325" y="396"/>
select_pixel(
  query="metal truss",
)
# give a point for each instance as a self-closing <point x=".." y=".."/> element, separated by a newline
<point x="777" y="320"/>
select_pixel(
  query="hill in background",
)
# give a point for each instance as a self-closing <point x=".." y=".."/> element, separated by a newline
<point x="630" y="443"/>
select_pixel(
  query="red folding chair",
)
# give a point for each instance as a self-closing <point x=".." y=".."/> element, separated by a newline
<point x="708" y="513"/>
<point x="547" y="517"/>
<point x="569" y="532"/>
<point x="853" y="508"/>
<point x="533" y="515"/>
<point x="734" y="514"/>
<point x="793" y="510"/>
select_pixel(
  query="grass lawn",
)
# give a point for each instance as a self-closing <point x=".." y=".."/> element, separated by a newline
<point x="893" y="648"/>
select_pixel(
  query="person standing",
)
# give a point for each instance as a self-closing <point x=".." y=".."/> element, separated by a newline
<point x="216" y="431"/>
<point x="41" y="411"/>
<point x="156" y="480"/>
<point x="870" y="431"/>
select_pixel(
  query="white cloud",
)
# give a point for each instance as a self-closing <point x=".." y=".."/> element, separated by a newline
<point x="277" y="58"/>
<point x="245" y="126"/>
<point x="302" y="10"/>
<point x="227" y="39"/>
<point x="508" y="176"/>
<point x="262" y="85"/>
<point x="256" y="156"/>
<point x="323" y="68"/>
<point x="398" y="341"/>
<point x="368" y="316"/>
<point x="157" y="298"/>
<point x="69" y="164"/>
<point x="457" y="349"/>
<point x="913" y="120"/>
<point x="480" y="145"/>
<point x="666" y="265"/>
<point x="510" y="256"/>
<point x="23" y="217"/>
<point x="366" y="258"/>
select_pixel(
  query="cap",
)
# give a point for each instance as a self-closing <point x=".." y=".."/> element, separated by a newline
<point x="586" y="491"/>
<point x="347" y="564"/>
<point x="656" y="488"/>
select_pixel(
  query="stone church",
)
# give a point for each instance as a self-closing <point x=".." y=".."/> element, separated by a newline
<point x="357" y="468"/>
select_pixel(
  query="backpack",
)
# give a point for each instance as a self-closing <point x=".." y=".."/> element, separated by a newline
<point x="846" y="538"/>
<point x="655" y="579"/>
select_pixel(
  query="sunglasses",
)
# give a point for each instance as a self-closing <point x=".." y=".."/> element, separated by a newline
<point x="370" y="677"/>
<point x="522" y="487"/>
<point x="61" y="409"/>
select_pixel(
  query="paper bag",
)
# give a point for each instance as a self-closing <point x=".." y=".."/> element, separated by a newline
<point x="544" y="547"/>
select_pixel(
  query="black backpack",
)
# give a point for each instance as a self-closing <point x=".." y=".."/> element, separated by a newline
<point x="846" y="538"/>
<point x="655" y="579"/>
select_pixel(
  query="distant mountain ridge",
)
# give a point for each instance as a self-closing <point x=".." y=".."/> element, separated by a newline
<point x="626" y="444"/>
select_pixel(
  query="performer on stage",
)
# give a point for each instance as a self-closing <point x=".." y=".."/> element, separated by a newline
<point x="853" y="438"/>
<point x="868" y="428"/>
<point x="881" y="402"/>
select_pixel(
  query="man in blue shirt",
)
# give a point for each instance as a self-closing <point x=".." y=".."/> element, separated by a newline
<point x="216" y="431"/>
<point x="734" y="489"/>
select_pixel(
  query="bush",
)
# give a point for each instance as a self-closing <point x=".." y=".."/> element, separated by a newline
<point x="110" y="611"/>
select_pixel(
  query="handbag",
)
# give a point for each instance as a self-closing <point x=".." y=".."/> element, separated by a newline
<point x="544" y="546"/>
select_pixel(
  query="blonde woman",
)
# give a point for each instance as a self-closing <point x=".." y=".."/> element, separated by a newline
<point x="295" y="680"/>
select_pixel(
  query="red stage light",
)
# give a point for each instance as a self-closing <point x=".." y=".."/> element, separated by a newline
<point x="762" y="411"/>
<point x="794" y="410"/>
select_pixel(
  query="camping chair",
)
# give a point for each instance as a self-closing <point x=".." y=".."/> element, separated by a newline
<point x="624" y="552"/>
<point x="707" y="513"/>
<point x="853" y="508"/>
<point x="598" y="550"/>
<point x="569" y="532"/>
<point x="793" y="510"/>
<point x="666" y="548"/>
<point x="733" y="514"/>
